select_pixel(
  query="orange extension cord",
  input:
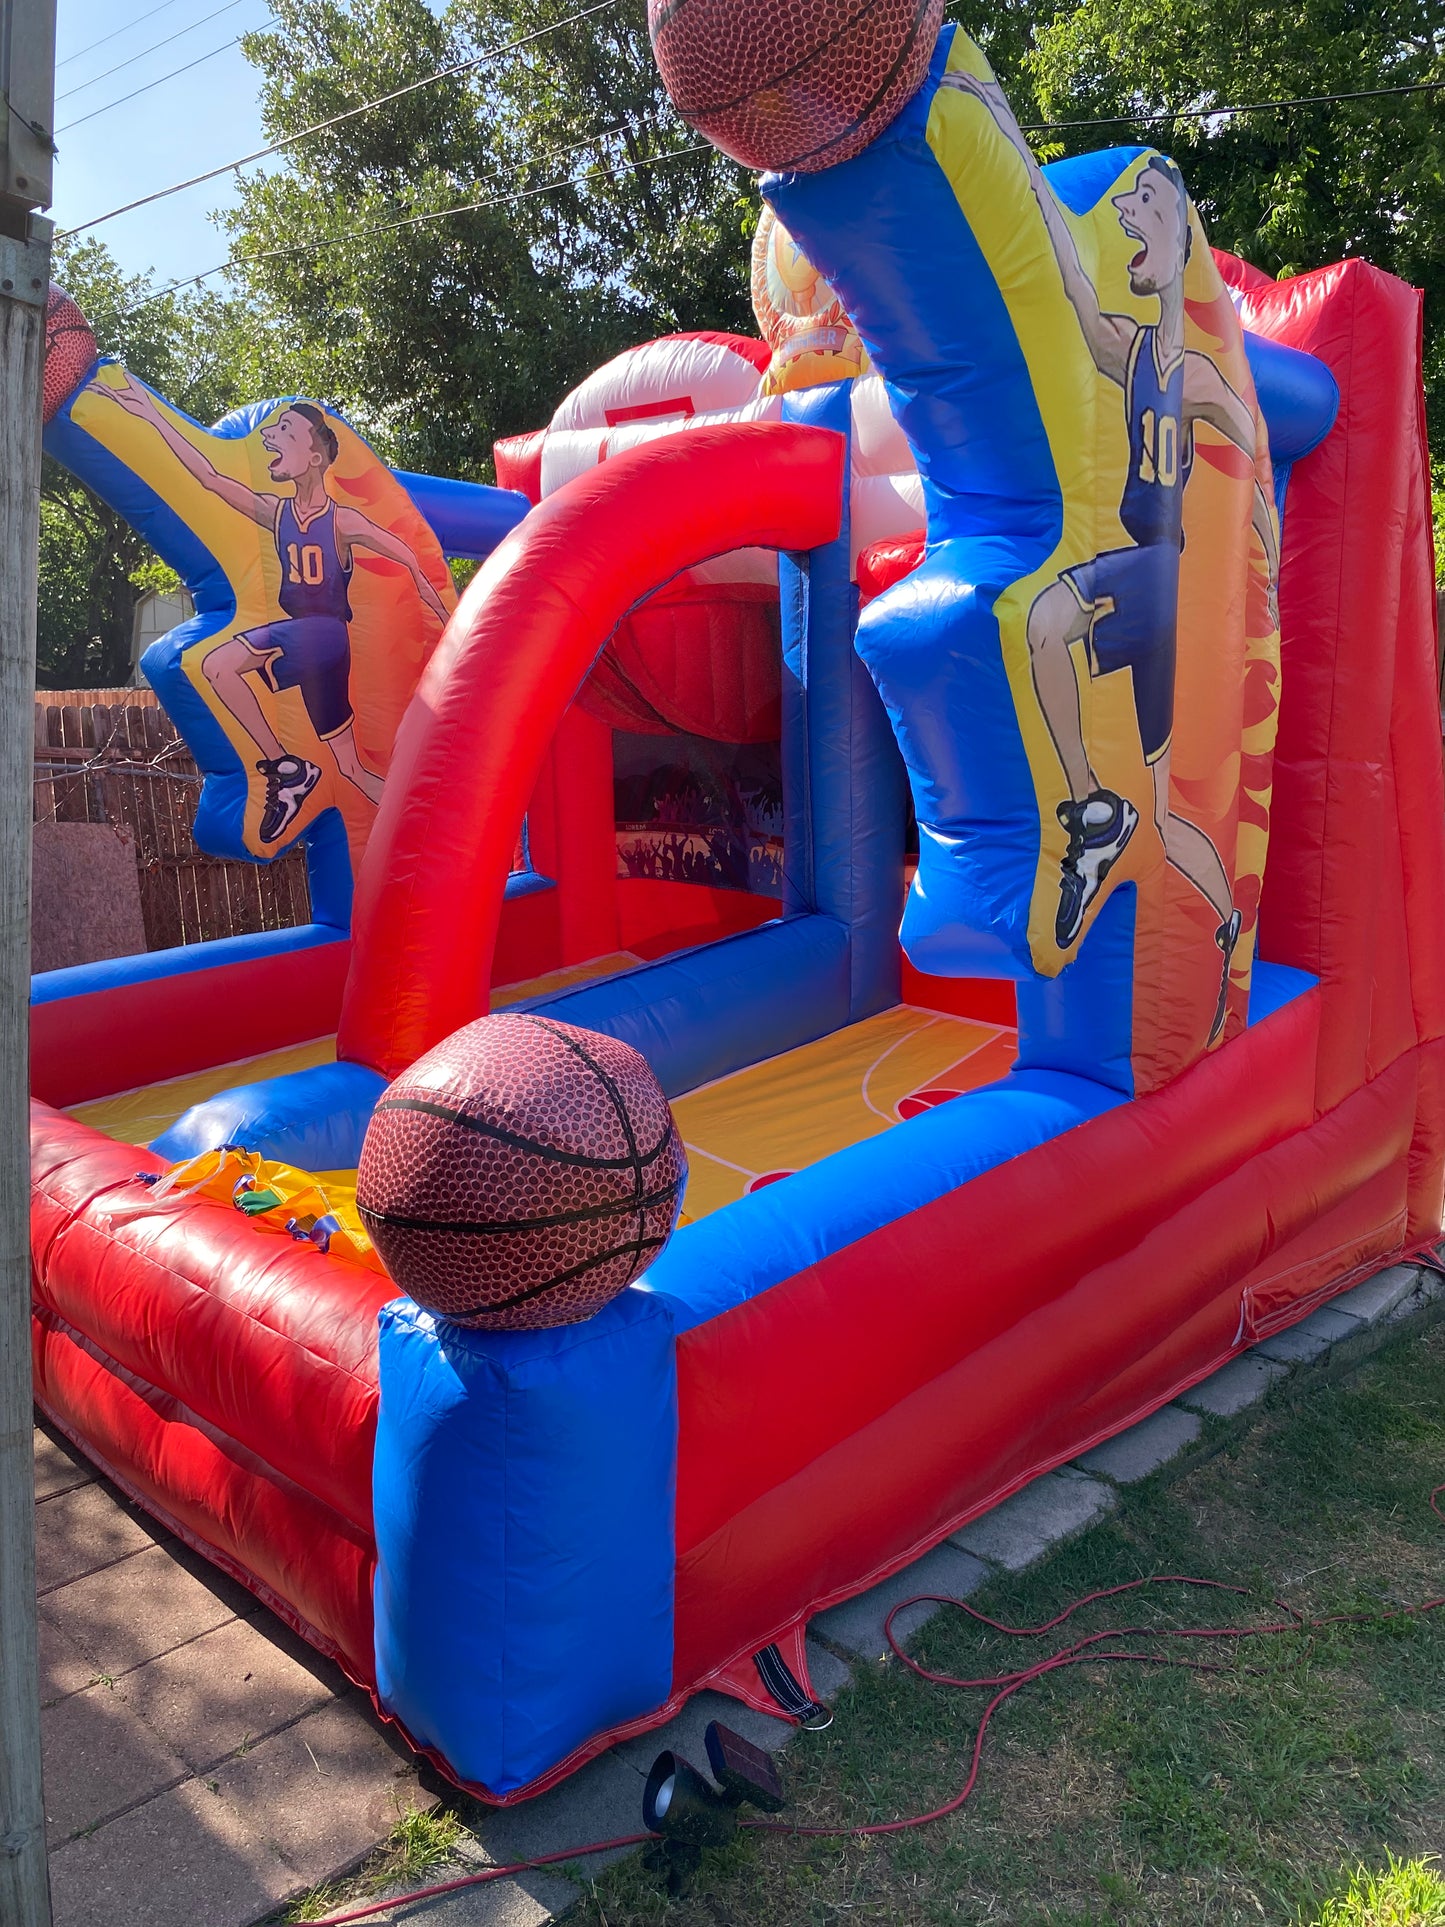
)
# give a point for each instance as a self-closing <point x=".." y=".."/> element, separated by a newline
<point x="1092" y="1648"/>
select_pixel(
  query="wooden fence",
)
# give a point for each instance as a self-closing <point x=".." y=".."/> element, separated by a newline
<point x="113" y="756"/>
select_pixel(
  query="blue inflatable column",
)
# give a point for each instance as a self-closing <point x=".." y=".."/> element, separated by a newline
<point x="524" y="1498"/>
<point x="844" y="787"/>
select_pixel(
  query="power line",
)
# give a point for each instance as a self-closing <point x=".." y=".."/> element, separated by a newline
<point x="604" y="6"/>
<point x="1220" y="113"/>
<point x="475" y="207"/>
<point x="154" y="47"/>
<point x="115" y="33"/>
<point x="350" y="113"/>
<point x="159" y="81"/>
<point x="471" y="207"/>
<point x="437" y="214"/>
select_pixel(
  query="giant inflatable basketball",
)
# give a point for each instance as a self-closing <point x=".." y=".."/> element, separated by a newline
<point x="521" y="1174"/>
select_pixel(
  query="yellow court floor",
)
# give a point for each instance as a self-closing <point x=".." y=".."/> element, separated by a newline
<point x="774" y="1118"/>
<point x="742" y="1132"/>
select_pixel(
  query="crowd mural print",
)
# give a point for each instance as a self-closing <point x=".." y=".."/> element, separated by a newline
<point x="694" y="811"/>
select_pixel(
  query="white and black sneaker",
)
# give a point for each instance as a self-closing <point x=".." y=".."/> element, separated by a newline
<point x="289" y="781"/>
<point x="1098" y="828"/>
<point x="1227" y="937"/>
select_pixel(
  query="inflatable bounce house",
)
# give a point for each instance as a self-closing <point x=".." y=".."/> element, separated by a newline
<point x="892" y="929"/>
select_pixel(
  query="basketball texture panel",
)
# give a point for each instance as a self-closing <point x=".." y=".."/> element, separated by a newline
<point x="69" y="351"/>
<point x="518" y="1077"/>
<point x="521" y="1173"/>
<point x="792" y="85"/>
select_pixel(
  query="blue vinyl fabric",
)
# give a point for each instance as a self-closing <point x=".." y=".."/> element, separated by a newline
<point x="757" y="1241"/>
<point x="315" y="1119"/>
<point x="1081" y="1021"/>
<point x="706" y="1012"/>
<point x="1272" y="986"/>
<point x="844" y="785"/>
<point x="1299" y="396"/>
<point x="1300" y="399"/>
<point x="468" y="519"/>
<point x="886" y="229"/>
<point x="150" y="966"/>
<point x="524" y="1496"/>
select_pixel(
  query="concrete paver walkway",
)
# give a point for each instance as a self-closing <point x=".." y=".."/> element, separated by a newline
<point x="202" y="1764"/>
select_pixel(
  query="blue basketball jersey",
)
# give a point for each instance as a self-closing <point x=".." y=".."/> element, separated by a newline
<point x="1161" y="448"/>
<point x="313" y="582"/>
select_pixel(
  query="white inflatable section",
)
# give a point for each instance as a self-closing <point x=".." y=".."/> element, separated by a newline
<point x="680" y="375"/>
<point x="667" y="387"/>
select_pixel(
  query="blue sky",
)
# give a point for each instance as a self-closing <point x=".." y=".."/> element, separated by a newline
<point x="184" y="125"/>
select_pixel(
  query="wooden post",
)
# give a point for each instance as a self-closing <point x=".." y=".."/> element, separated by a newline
<point x="27" y="85"/>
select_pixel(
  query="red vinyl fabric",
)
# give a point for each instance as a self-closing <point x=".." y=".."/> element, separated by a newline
<point x="118" y="1039"/>
<point x="705" y="659"/>
<point x="228" y="1377"/>
<point x="1352" y="890"/>
<point x="1240" y="275"/>
<point x="528" y="629"/>
<point x="518" y="462"/>
<point x="883" y="563"/>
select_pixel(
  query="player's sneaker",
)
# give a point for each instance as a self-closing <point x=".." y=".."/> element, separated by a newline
<point x="1098" y="828"/>
<point x="1226" y="936"/>
<point x="289" y="781"/>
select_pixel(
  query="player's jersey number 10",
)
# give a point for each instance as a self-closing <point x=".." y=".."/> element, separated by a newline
<point x="305" y="563"/>
<point x="1158" y="451"/>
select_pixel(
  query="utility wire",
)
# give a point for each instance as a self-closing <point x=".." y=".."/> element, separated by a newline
<point x="436" y="214"/>
<point x="115" y="33"/>
<point x="1249" y="107"/>
<point x="604" y="6"/>
<point x="154" y="47"/>
<point x="350" y="113"/>
<point x="159" y="81"/>
<point x="471" y="207"/>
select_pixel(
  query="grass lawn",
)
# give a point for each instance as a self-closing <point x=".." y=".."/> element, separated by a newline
<point x="1276" y="1791"/>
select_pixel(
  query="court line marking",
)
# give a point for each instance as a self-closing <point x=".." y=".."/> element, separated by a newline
<point x="696" y="1151"/>
<point x="897" y="1044"/>
<point x="1001" y="1030"/>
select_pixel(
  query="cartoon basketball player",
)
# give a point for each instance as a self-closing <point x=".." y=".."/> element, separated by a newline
<point x="800" y="316"/>
<point x="1124" y="603"/>
<point x="316" y="538"/>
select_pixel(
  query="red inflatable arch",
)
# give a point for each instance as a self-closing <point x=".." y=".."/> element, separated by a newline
<point x="533" y="622"/>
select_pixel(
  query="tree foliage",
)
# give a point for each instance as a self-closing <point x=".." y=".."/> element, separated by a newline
<point x="1288" y="189"/>
<point x="587" y="225"/>
<point x="586" y="222"/>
